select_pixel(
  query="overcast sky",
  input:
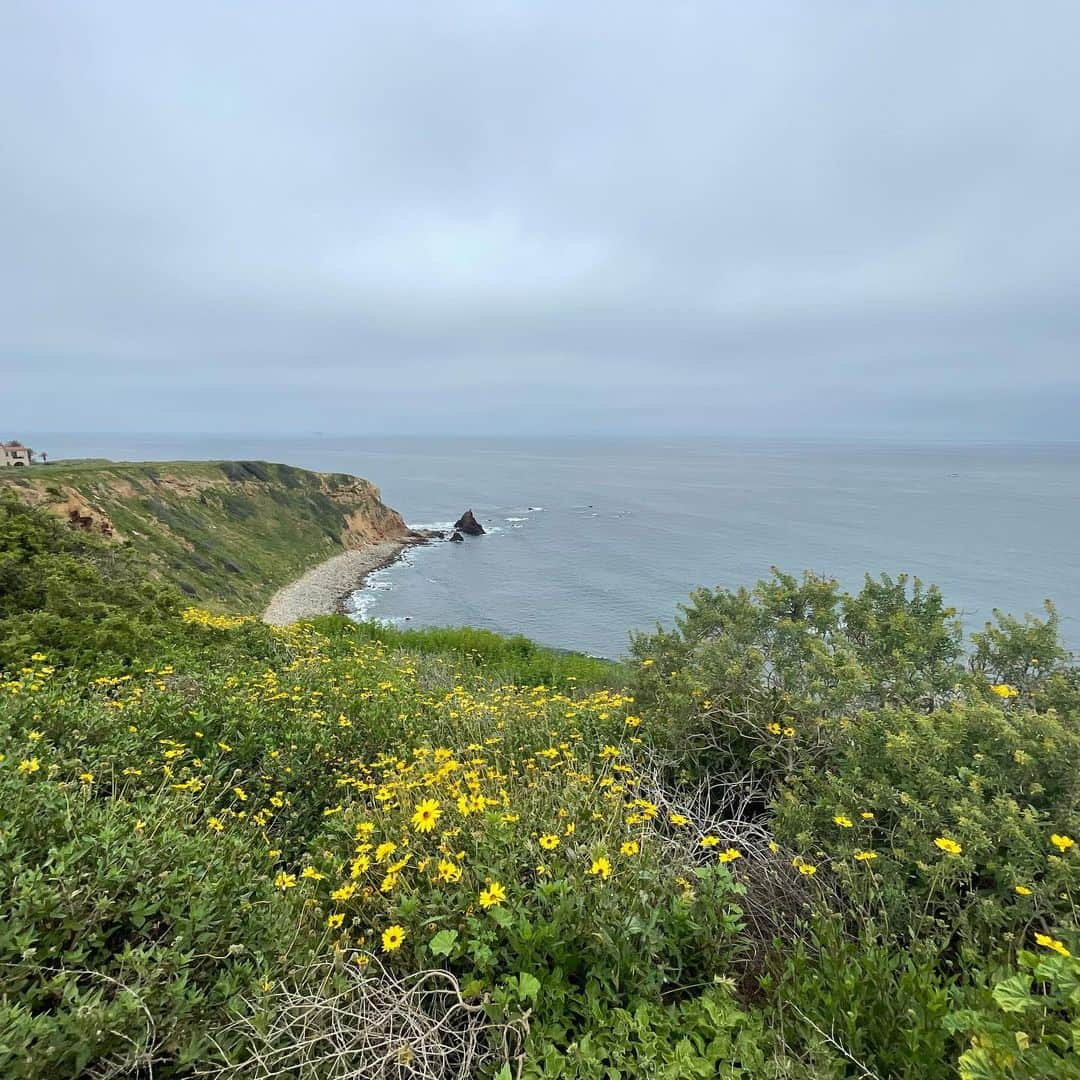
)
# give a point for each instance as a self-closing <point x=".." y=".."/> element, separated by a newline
<point x="816" y="218"/>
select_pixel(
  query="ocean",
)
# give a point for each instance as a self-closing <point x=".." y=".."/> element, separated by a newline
<point x="590" y="539"/>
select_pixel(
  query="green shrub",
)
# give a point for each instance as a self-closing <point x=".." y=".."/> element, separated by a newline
<point x="68" y="594"/>
<point x="1028" y="1026"/>
<point x="127" y="937"/>
<point x="758" y="679"/>
<point x="861" y="739"/>
<point x="707" y="1036"/>
<point x="996" y="780"/>
<point x="855" y="1006"/>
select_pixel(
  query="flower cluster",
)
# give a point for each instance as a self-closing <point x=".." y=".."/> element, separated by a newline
<point x="198" y="617"/>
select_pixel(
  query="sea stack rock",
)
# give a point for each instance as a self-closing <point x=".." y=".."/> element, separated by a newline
<point x="456" y="538"/>
<point x="468" y="525"/>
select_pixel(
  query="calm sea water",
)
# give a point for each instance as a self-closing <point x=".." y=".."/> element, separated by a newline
<point x="590" y="539"/>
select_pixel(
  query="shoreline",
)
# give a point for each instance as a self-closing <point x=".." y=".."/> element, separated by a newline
<point x="322" y="590"/>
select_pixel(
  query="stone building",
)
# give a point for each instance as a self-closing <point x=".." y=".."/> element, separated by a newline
<point x="14" y="453"/>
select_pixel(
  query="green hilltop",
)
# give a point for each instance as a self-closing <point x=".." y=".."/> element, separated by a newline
<point x="226" y="533"/>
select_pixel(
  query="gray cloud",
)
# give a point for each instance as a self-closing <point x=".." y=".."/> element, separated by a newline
<point x="831" y="218"/>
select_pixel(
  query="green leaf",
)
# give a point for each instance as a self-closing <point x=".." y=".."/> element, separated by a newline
<point x="1014" y="995"/>
<point x="443" y="942"/>
<point x="528" y="986"/>
<point x="501" y="917"/>
<point x="978" y="1064"/>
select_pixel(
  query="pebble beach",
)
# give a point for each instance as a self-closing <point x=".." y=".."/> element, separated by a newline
<point x="323" y="588"/>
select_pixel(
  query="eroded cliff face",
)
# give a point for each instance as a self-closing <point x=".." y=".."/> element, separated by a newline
<point x="367" y="519"/>
<point x="227" y="533"/>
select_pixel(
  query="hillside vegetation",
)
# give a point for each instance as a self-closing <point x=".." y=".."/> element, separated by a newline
<point x="226" y="533"/>
<point x="802" y="834"/>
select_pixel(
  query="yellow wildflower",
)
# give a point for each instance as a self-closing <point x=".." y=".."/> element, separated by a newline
<point x="1062" y="843"/>
<point x="1004" y="690"/>
<point x="392" y="937"/>
<point x="601" y="868"/>
<point x="1048" y="942"/>
<point x="493" y="895"/>
<point x="865" y="856"/>
<point x="549" y="841"/>
<point x="425" y="815"/>
<point x="630" y="847"/>
<point x="950" y="847"/>
<point x="285" y="881"/>
<point x="449" y="872"/>
<point x="730" y="855"/>
<point x="1021" y="890"/>
<point x="687" y="888"/>
<point x="215" y="823"/>
<point x="843" y="822"/>
<point x="334" y="921"/>
<point x="709" y="841"/>
<point x="29" y="765"/>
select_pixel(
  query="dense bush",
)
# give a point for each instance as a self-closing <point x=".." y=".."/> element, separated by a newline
<point x="997" y="781"/>
<point x="930" y="796"/>
<point x="849" y="999"/>
<point x="72" y="595"/>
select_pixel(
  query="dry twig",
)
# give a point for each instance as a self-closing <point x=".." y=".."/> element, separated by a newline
<point x="347" y="1022"/>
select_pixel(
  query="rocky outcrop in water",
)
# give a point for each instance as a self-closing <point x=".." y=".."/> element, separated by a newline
<point x="468" y="525"/>
<point x="457" y="538"/>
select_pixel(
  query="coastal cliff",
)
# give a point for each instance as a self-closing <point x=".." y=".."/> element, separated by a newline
<point x="228" y="533"/>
